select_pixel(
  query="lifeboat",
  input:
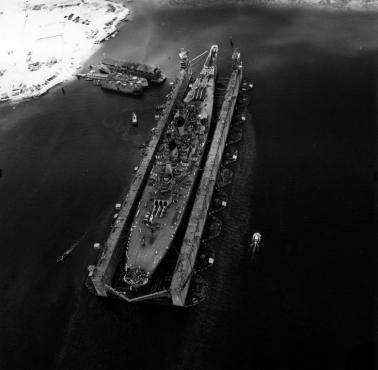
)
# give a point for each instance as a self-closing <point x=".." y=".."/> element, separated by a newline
<point x="134" y="119"/>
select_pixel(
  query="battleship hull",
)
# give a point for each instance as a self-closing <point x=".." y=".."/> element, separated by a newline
<point x="170" y="183"/>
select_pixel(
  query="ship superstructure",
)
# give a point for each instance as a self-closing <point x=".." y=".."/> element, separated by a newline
<point x="170" y="182"/>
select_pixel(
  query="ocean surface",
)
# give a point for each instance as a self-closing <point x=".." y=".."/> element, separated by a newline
<point x="305" y="180"/>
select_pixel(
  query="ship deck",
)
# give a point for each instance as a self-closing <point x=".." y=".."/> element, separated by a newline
<point x="147" y="246"/>
<point x="152" y="234"/>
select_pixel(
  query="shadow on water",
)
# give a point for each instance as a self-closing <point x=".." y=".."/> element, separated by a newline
<point x="303" y="180"/>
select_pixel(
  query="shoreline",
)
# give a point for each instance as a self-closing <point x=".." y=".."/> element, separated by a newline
<point x="43" y="56"/>
<point x="322" y="5"/>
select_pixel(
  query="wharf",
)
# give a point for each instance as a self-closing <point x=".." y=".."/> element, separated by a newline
<point x="185" y="264"/>
<point x="103" y="273"/>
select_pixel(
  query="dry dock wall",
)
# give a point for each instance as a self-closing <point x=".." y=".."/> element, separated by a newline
<point x="188" y="253"/>
<point x="113" y="248"/>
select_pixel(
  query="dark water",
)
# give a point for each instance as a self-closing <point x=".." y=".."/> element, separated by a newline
<point x="304" y="180"/>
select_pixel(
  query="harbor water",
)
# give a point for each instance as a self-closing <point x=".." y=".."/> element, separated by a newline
<point x="304" y="180"/>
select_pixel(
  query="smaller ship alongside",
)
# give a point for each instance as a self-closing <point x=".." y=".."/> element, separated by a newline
<point x="151" y="73"/>
<point x="122" y="87"/>
<point x="120" y="82"/>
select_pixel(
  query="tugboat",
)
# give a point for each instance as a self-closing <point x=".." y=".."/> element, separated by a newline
<point x="134" y="119"/>
<point x="254" y="247"/>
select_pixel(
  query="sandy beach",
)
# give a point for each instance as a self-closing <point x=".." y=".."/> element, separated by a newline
<point x="44" y="44"/>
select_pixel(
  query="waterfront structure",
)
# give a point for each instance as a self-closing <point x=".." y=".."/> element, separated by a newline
<point x="122" y="87"/>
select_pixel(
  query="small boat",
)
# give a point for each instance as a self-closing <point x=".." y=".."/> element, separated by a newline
<point x="68" y="251"/>
<point x="247" y="85"/>
<point x="206" y="260"/>
<point x="254" y="247"/>
<point x="134" y="119"/>
<point x="64" y="255"/>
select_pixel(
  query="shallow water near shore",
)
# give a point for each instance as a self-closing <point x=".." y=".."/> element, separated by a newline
<point x="304" y="180"/>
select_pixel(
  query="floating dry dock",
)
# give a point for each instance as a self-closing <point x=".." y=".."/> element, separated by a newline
<point x="102" y="275"/>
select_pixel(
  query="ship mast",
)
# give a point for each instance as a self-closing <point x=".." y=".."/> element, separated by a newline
<point x="184" y="60"/>
<point x="236" y="60"/>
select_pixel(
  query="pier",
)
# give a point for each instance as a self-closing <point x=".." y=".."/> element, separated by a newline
<point x="102" y="274"/>
<point x="187" y="257"/>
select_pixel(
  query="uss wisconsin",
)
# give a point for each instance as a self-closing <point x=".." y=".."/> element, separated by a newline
<point x="170" y="183"/>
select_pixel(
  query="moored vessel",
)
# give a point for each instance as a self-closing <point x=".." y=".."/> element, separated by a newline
<point x="151" y="73"/>
<point x="122" y="87"/>
<point x="170" y="182"/>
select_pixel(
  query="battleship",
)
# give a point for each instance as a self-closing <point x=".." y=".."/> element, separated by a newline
<point x="171" y="180"/>
<point x="151" y="73"/>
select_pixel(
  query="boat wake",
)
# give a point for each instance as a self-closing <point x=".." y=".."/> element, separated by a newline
<point x="70" y="250"/>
